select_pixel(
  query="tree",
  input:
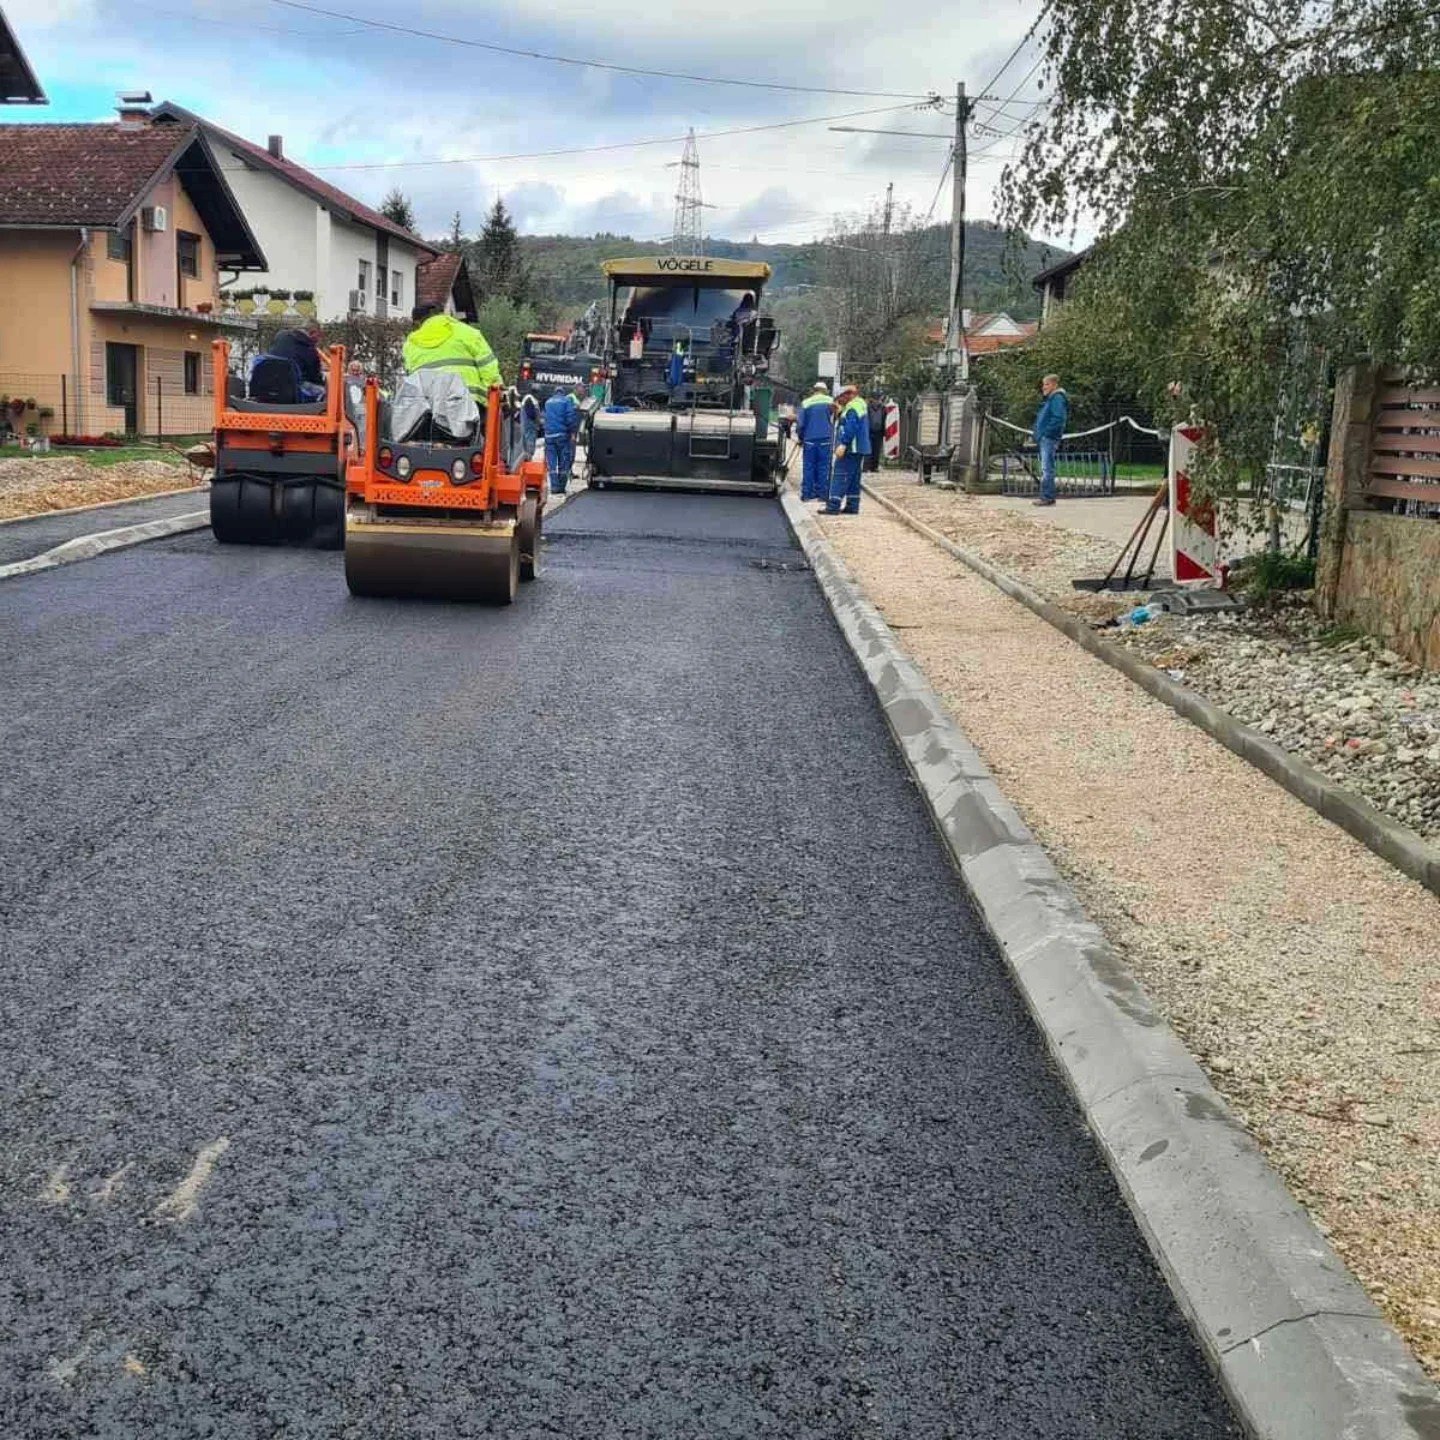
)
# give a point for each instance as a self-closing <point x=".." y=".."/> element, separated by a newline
<point x="1264" y="173"/>
<point x="396" y="206"/>
<point x="504" y="324"/>
<point x="455" y="241"/>
<point x="499" y="265"/>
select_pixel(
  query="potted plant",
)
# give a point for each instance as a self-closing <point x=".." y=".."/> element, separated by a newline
<point x="47" y="412"/>
<point x="305" y="302"/>
<point x="30" y="403"/>
<point x="204" y="307"/>
<point x="279" y="302"/>
<point x="17" y="405"/>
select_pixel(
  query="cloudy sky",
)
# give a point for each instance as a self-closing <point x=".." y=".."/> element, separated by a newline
<point x="366" y="106"/>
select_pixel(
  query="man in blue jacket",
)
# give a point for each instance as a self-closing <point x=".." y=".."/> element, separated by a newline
<point x="852" y="445"/>
<point x="815" y="431"/>
<point x="562" y="425"/>
<point x="1050" y="422"/>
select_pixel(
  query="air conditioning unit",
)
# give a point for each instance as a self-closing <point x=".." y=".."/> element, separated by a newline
<point x="154" y="218"/>
<point x="357" y="300"/>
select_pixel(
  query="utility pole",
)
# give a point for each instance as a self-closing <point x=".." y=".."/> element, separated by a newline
<point x="955" y="326"/>
<point x="892" y="259"/>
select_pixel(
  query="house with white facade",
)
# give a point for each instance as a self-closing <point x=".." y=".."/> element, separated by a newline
<point x="317" y="239"/>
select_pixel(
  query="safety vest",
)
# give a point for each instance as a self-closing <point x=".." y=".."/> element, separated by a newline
<point x="445" y="343"/>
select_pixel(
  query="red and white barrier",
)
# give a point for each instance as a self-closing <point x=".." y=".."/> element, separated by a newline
<point x="891" y="449"/>
<point x="1194" y="530"/>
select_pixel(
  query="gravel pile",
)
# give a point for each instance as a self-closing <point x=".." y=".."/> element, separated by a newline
<point x="36" y="486"/>
<point x="1355" y="710"/>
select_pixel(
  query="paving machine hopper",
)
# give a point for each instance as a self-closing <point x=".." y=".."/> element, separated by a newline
<point x="687" y="352"/>
<point x="280" y="460"/>
<point x="442" y="500"/>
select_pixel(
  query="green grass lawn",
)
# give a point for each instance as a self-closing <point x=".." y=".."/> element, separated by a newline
<point x="103" y="456"/>
<point x="1132" y="471"/>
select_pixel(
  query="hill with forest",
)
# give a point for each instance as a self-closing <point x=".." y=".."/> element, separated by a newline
<point x="566" y="268"/>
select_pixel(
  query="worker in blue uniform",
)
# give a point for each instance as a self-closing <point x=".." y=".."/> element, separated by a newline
<point x="852" y="445"/>
<point x="562" y="426"/>
<point x="815" y="430"/>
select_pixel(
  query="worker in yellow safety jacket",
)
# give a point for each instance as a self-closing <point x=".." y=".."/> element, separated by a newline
<point x="441" y="342"/>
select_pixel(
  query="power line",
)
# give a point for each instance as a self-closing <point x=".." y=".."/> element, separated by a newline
<point x="1009" y="59"/>
<point x="594" y="64"/>
<point x="949" y="161"/>
<point x="597" y="149"/>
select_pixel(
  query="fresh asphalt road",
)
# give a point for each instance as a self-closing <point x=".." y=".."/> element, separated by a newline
<point x="428" y="1021"/>
<point x="22" y="539"/>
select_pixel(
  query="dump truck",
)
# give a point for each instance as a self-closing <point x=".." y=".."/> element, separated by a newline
<point x="701" y="421"/>
<point x="549" y="363"/>
<point x="441" y="499"/>
<point x="279" y="460"/>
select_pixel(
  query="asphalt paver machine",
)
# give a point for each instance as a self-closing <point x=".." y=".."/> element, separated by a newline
<point x="442" y="500"/>
<point x="280" y="460"/>
<point x="700" y="421"/>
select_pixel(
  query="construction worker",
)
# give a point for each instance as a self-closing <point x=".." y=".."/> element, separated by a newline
<point x="815" y="430"/>
<point x="562" y="426"/>
<point x="441" y="342"/>
<point x="852" y="445"/>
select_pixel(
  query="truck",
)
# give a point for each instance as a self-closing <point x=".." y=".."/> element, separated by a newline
<point x="686" y="355"/>
<point x="550" y="362"/>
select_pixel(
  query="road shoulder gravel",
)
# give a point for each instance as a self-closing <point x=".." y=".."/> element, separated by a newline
<point x="1397" y="843"/>
<point x="1300" y="1348"/>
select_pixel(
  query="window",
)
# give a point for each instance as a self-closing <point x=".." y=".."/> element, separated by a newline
<point x="187" y="250"/>
<point x="380" y="283"/>
<point x="397" y="288"/>
<point x="364" y="284"/>
<point x="192" y="372"/>
<point x="117" y="245"/>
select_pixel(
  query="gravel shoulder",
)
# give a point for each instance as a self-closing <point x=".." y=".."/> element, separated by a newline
<point x="1343" y="703"/>
<point x="40" y="486"/>
<point x="1300" y="969"/>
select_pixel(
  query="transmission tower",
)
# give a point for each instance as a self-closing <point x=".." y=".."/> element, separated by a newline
<point x="689" y="237"/>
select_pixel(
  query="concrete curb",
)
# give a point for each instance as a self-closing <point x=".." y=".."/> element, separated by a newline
<point x="105" y="504"/>
<point x="1402" y="847"/>
<point x="86" y="547"/>
<point x="1297" y="1344"/>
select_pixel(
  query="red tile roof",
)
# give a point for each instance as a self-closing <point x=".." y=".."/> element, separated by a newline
<point x="435" y="279"/>
<point x="81" y="174"/>
<point x="297" y="175"/>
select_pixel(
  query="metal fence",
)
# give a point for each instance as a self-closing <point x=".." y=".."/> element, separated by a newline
<point x="170" y="399"/>
<point x="1078" y="472"/>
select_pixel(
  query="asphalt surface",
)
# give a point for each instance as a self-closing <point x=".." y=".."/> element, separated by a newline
<point x="22" y="539"/>
<point x="427" y="1021"/>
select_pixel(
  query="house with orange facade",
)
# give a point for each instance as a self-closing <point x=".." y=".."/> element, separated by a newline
<point x="112" y="239"/>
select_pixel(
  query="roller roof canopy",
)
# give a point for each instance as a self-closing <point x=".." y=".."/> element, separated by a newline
<point x="689" y="270"/>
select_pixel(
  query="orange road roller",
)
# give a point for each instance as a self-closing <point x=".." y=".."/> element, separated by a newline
<point x="280" y="457"/>
<point x="442" y="500"/>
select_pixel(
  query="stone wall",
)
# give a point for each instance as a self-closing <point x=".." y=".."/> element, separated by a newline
<point x="1389" y="582"/>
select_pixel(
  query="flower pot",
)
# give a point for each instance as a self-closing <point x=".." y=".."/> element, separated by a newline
<point x="276" y="307"/>
<point x="245" y="307"/>
<point x="306" y="307"/>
